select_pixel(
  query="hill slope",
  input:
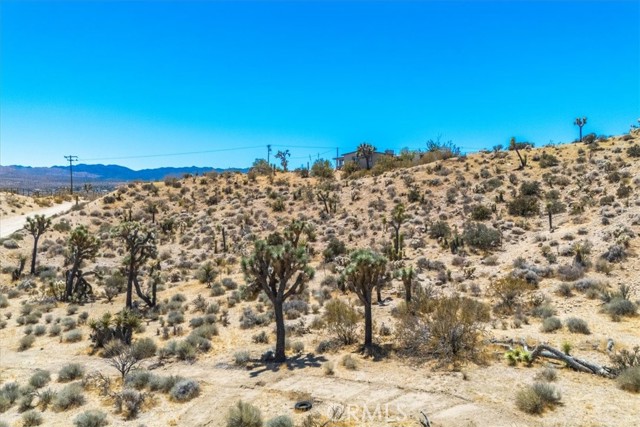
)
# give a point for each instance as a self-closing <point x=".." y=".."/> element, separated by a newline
<point x="469" y="225"/>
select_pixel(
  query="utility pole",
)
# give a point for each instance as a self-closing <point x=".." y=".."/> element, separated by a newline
<point x="337" y="155"/>
<point x="71" y="159"/>
<point x="269" y="153"/>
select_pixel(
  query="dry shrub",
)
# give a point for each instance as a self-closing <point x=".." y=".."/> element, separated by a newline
<point x="508" y="291"/>
<point x="450" y="332"/>
<point x="342" y="320"/>
<point x="535" y="398"/>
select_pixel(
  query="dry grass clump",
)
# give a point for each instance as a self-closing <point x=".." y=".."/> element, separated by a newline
<point x="244" y="415"/>
<point x="534" y="399"/>
<point x="629" y="379"/>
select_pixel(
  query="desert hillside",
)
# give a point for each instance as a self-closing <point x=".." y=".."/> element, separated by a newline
<point x="504" y="289"/>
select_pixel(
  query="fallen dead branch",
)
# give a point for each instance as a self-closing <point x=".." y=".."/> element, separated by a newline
<point x="548" y="352"/>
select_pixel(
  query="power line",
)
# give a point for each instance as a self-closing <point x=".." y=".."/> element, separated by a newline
<point x="184" y="153"/>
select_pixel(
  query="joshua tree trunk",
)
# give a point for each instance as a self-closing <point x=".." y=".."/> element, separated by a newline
<point x="280" y="331"/>
<point x="34" y="254"/>
<point x="129" y="302"/>
<point x="149" y="301"/>
<point x="368" y="323"/>
<point x="224" y="240"/>
<point x="71" y="276"/>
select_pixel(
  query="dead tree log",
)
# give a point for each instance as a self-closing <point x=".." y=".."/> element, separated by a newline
<point x="581" y="365"/>
<point x="548" y="352"/>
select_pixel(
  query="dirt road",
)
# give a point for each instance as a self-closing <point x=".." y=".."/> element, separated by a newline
<point x="11" y="224"/>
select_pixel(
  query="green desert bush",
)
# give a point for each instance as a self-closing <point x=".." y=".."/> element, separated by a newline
<point x="10" y="392"/>
<point x="70" y="372"/>
<point x="32" y="418"/>
<point x="54" y="330"/>
<point x="241" y="357"/>
<point x="163" y="384"/>
<point x="480" y="213"/>
<point x="70" y="396"/>
<point x="91" y="418"/>
<point x="40" y="378"/>
<point x="619" y="306"/>
<point x="480" y="236"/>
<point x="144" y="348"/>
<point x="577" y="326"/>
<point x="524" y="206"/>
<point x="137" y="379"/>
<point x="342" y="320"/>
<point x="551" y="324"/>
<point x="129" y="402"/>
<point x="244" y="415"/>
<point x="26" y="342"/>
<point x="184" y="390"/>
<point x="75" y="335"/>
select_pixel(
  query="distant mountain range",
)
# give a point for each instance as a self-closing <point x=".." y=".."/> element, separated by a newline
<point x="27" y="177"/>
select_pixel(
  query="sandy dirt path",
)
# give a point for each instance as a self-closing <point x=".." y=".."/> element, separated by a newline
<point x="11" y="224"/>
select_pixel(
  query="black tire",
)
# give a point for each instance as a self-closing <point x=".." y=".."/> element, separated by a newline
<point x="303" y="406"/>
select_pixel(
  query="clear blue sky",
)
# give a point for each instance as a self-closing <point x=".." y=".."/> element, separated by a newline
<point x="118" y="79"/>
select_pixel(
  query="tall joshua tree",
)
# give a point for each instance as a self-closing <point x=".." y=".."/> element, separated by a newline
<point x="366" y="151"/>
<point x="513" y="145"/>
<point x="279" y="267"/>
<point x="36" y="226"/>
<point x="282" y="156"/>
<point x="407" y="275"/>
<point x="82" y="246"/>
<point x="398" y="216"/>
<point x="152" y="209"/>
<point x="365" y="271"/>
<point x="580" y="122"/>
<point x="140" y="247"/>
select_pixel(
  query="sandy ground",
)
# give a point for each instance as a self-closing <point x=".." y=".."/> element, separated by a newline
<point x="11" y="224"/>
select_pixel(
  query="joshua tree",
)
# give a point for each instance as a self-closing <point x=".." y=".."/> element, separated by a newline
<point x="328" y="194"/>
<point x="398" y="216"/>
<point x="152" y="209"/>
<point x="580" y="122"/>
<point x="280" y="268"/>
<point x="513" y="145"/>
<point x="366" y="151"/>
<point x="36" y="226"/>
<point x="109" y="327"/>
<point x="282" y="155"/>
<point x="17" y="272"/>
<point x="365" y="271"/>
<point x="140" y="245"/>
<point x="82" y="246"/>
<point x="407" y="275"/>
<point x="207" y="273"/>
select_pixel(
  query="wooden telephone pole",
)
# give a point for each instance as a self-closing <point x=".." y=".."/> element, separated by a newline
<point x="71" y="159"/>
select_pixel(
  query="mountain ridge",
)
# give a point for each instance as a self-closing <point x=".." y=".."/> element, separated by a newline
<point x="36" y="176"/>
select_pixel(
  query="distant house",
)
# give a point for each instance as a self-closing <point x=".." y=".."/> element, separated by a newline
<point x="362" y="162"/>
